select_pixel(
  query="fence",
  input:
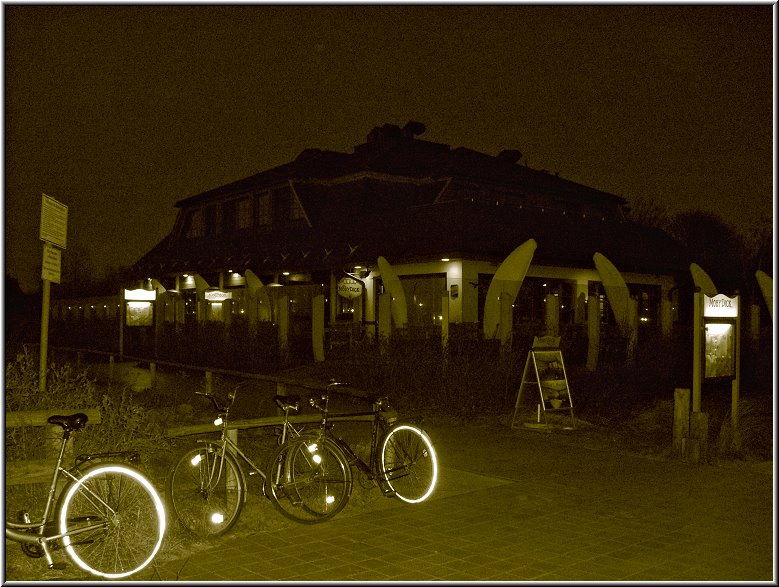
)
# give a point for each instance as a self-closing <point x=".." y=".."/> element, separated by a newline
<point x="41" y="470"/>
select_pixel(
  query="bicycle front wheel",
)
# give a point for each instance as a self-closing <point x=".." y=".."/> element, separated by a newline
<point x="206" y="489"/>
<point x="408" y="464"/>
<point x="309" y="480"/>
<point x="113" y="519"/>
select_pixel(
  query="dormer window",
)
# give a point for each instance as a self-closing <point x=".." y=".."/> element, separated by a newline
<point x="264" y="210"/>
<point x="197" y="225"/>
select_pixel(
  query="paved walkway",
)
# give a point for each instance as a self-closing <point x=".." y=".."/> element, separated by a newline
<point x="517" y="505"/>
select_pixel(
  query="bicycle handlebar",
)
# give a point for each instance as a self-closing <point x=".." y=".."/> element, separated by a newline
<point x="230" y="396"/>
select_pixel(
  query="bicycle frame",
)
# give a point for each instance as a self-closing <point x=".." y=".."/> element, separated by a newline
<point x="368" y="468"/>
<point x="226" y="443"/>
<point x="19" y="531"/>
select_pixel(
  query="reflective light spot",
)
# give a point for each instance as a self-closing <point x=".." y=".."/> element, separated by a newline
<point x="329" y="499"/>
<point x="217" y="518"/>
<point x="218" y="421"/>
<point x="195" y="460"/>
<point x="317" y="459"/>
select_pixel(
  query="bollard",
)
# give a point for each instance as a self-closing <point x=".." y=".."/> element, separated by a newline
<point x="681" y="424"/>
<point x="699" y="437"/>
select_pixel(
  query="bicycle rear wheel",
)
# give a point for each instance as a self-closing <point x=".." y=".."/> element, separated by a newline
<point x="408" y="464"/>
<point x="207" y="490"/>
<point x="115" y="521"/>
<point x="309" y="479"/>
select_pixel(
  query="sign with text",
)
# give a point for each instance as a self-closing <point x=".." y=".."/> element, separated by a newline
<point x="52" y="263"/>
<point x="54" y="222"/>
<point x="720" y="306"/>
<point x="218" y="296"/>
<point x="349" y="288"/>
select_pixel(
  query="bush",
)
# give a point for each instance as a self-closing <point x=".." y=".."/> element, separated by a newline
<point x="124" y="423"/>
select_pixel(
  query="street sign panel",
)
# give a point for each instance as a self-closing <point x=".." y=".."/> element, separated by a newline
<point x="52" y="262"/>
<point x="54" y="222"/>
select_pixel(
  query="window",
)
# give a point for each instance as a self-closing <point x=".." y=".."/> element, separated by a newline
<point x="296" y="212"/>
<point x="243" y="214"/>
<point x="210" y="220"/>
<point x="530" y="304"/>
<point x="423" y="298"/>
<point x="196" y="226"/>
<point x="264" y="210"/>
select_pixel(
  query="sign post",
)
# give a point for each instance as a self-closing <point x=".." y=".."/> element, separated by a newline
<point x="53" y="233"/>
<point x="717" y="348"/>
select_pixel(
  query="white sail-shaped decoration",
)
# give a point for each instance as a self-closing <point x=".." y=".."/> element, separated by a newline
<point x="702" y="280"/>
<point x="506" y="282"/>
<point x="766" y="284"/>
<point x="615" y="286"/>
<point x="201" y="284"/>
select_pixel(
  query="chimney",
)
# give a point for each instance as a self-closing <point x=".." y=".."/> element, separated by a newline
<point x="510" y="155"/>
<point x="413" y="129"/>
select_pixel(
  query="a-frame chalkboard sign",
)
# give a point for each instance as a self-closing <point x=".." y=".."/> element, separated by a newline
<point x="545" y="373"/>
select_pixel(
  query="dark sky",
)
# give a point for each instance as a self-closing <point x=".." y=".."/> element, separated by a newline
<point x="119" y="111"/>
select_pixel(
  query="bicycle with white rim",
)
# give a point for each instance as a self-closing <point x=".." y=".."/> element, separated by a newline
<point x="109" y="518"/>
<point x="313" y="488"/>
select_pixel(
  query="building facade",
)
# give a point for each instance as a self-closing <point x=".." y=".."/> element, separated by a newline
<point x="444" y="218"/>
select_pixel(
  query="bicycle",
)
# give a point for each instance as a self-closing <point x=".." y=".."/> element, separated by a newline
<point x="310" y="486"/>
<point x="207" y="485"/>
<point x="108" y="517"/>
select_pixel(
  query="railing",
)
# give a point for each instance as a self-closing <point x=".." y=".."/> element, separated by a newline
<point x="282" y="385"/>
<point x="41" y="470"/>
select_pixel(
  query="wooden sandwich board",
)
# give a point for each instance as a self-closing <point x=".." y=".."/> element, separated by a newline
<point x="545" y="373"/>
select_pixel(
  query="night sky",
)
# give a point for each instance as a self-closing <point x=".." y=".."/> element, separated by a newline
<point x="119" y="111"/>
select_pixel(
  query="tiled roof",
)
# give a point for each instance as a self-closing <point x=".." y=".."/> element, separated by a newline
<point x="454" y="229"/>
<point x="385" y="199"/>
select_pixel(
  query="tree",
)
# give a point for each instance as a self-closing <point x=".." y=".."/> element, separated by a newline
<point x="716" y="246"/>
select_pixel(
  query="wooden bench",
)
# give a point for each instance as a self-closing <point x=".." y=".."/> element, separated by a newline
<point x="41" y="471"/>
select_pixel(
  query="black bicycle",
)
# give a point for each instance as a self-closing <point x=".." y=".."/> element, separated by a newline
<point x="312" y="478"/>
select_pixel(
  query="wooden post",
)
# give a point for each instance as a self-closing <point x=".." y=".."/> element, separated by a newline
<point x="681" y="424"/>
<point x="209" y="381"/>
<point x="318" y="327"/>
<point x="552" y="315"/>
<point x="734" y="415"/>
<point x="699" y="436"/>
<point x="506" y="323"/>
<point x="697" y="350"/>
<point x="110" y="368"/>
<point x="385" y="319"/>
<point x="445" y="328"/>
<point x="153" y="375"/>
<point x="45" y="295"/>
<point x="283" y="322"/>
<point x="593" y="332"/>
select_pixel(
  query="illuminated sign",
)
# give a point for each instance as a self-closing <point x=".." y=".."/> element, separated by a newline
<point x="218" y="296"/>
<point x="349" y="288"/>
<point x="720" y="306"/>
<point x="140" y="294"/>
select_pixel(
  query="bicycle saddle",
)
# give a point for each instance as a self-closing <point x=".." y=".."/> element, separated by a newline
<point x="72" y="422"/>
<point x="291" y="402"/>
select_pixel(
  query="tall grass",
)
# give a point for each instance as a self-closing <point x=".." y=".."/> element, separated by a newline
<point x="125" y="423"/>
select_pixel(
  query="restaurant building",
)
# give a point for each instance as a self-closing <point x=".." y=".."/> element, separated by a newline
<point x="444" y="217"/>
